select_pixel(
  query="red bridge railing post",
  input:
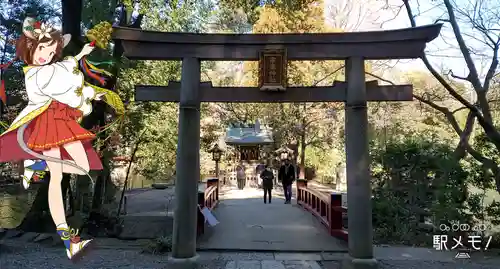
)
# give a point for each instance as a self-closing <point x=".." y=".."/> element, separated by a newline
<point x="327" y="207"/>
<point x="301" y="183"/>
<point x="214" y="182"/>
<point x="336" y="219"/>
<point x="336" y="213"/>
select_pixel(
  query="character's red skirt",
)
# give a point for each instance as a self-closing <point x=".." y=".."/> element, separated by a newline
<point x="55" y="127"/>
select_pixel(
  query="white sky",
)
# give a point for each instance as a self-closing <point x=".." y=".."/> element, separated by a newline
<point x="442" y="52"/>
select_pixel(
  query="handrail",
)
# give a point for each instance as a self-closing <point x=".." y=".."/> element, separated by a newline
<point x="327" y="208"/>
<point x="209" y="198"/>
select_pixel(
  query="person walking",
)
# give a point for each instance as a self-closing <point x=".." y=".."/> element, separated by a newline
<point x="287" y="175"/>
<point x="240" y="176"/>
<point x="267" y="183"/>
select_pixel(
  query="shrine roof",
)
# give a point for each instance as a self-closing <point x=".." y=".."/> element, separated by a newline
<point x="242" y="136"/>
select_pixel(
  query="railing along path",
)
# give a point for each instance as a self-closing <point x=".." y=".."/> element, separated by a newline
<point x="326" y="207"/>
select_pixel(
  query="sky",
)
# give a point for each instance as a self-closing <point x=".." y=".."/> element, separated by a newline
<point x="442" y="52"/>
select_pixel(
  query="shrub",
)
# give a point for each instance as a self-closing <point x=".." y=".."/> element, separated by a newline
<point x="416" y="181"/>
<point x="160" y="245"/>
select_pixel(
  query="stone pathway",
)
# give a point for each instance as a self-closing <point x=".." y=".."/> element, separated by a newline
<point x="145" y="201"/>
<point x="246" y="223"/>
<point x="277" y="227"/>
<point x="16" y="255"/>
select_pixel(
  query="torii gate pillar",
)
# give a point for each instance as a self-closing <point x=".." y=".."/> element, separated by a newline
<point x="358" y="170"/>
<point x="187" y="164"/>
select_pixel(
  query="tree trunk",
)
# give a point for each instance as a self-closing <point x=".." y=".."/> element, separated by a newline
<point x="66" y="191"/>
<point x="71" y="19"/>
<point x="303" y="149"/>
<point x="103" y="182"/>
<point x="97" y="118"/>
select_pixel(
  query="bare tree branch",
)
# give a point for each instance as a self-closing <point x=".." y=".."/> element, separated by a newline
<point x="493" y="67"/>
<point x="450" y="72"/>
<point x="328" y="75"/>
<point x="461" y="149"/>
<point x="458" y="109"/>
<point x="441" y="20"/>
<point x="380" y="78"/>
<point x="473" y="76"/>
<point x="463" y="146"/>
<point x="484" y="120"/>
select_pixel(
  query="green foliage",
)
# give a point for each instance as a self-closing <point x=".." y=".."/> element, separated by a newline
<point x="96" y="11"/>
<point x="252" y="8"/>
<point x="486" y="147"/>
<point x="418" y="180"/>
<point x="10" y="29"/>
<point x="311" y="125"/>
<point x="160" y="245"/>
<point x="154" y="125"/>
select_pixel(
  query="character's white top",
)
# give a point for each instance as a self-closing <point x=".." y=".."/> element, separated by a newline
<point x="61" y="81"/>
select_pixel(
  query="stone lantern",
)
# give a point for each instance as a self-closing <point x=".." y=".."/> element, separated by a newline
<point x="216" y="156"/>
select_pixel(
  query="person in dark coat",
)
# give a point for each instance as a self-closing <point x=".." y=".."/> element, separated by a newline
<point x="267" y="183"/>
<point x="287" y="175"/>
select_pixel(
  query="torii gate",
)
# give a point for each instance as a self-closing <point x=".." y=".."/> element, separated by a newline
<point x="354" y="48"/>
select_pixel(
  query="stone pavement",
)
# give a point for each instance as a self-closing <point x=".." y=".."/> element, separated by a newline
<point x="246" y="223"/>
<point x="158" y="201"/>
<point x="30" y="255"/>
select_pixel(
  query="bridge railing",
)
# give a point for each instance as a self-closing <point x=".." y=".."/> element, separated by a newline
<point x="326" y="207"/>
<point x="208" y="198"/>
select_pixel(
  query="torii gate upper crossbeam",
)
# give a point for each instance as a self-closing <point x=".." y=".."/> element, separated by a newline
<point x="394" y="44"/>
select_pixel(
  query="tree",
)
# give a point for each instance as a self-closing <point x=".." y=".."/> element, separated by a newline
<point x="71" y="19"/>
<point x="10" y="28"/>
<point x="157" y="120"/>
<point x="481" y="19"/>
<point x="305" y="122"/>
<point x="302" y="124"/>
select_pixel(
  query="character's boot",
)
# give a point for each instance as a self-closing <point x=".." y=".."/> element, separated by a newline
<point x="39" y="165"/>
<point x="74" y="245"/>
<point x="34" y="171"/>
<point x="28" y="173"/>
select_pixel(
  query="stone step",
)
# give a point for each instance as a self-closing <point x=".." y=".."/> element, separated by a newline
<point x="272" y="264"/>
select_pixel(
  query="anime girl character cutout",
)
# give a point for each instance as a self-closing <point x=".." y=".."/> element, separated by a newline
<point x="46" y="135"/>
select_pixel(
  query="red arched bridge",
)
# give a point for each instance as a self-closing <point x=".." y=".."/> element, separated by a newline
<point x="313" y="222"/>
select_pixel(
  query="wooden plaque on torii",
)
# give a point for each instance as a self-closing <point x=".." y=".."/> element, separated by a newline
<point x="272" y="70"/>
